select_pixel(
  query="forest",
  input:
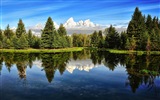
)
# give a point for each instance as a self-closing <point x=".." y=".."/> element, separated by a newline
<point x="142" y="33"/>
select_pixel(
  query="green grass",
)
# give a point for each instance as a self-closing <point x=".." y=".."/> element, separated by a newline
<point x="133" y="52"/>
<point x="41" y="50"/>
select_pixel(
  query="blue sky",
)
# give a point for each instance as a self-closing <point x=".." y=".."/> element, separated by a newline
<point x="98" y="11"/>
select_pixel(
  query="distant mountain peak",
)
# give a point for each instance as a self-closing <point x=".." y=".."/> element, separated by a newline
<point x="71" y="24"/>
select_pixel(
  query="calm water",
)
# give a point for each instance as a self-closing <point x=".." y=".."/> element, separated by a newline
<point x="87" y="75"/>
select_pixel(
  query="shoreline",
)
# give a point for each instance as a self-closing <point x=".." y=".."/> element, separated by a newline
<point x="41" y="50"/>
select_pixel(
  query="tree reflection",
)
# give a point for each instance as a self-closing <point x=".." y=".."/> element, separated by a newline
<point x="141" y="70"/>
<point x="1" y="61"/>
<point x="53" y="62"/>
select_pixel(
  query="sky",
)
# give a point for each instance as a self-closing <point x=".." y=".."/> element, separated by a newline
<point x="103" y="12"/>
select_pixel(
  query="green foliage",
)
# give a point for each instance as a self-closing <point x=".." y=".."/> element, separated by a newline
<point x="8" y="33"/>
<point x="143" y="30"/>
<point x="123" y="39"/>
<point x="80" y="40"/>
<point x="36" y="42"/>
<point x="7" y="43"/>
<point x="30" y="39"/>
<point x="148" y="46"/>
<point x="143" y="33"/>
<point x="112" y="39"/>
<point x="100" y="40"/>
<point x="149" y="24"/>
<point x="51" y="38"/>
<point x="48" y="34"/>
<point x="15" y="42"/>
<point x="133" y="43"/>
<point x="1" y="35"/>
<point x="62" y="30"/>
<point x="1" y="45"/>
<point x="143" y="40"/>
<point x="94" y="39"/>
<point x="20" y="43"/>
<point x="136" y="26"/>
<point x="127" y="44"/>
<point x="23" y="43"/>
<point x="20" y="29"/>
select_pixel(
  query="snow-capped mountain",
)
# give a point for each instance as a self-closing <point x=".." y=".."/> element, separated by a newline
<point x="71" y="24"/>
<point x="36" y="30"/>
<point x="13" y="29"/>
<point x="82" y="26"/>
<point x="81" y="65"/>
<point x="40" y="26"/>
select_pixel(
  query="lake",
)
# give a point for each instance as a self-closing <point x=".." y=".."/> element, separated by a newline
<point x="86" y="75"/>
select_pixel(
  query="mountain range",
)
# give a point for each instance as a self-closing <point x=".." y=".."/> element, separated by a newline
<point x="72" y="26"/>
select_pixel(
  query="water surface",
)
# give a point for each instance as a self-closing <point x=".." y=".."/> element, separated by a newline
<point x="87" y="75"/>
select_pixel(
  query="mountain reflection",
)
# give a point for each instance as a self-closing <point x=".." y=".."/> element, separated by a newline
<point x="141" y="70"/>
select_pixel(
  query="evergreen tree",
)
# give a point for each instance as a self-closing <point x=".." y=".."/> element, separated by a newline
<point x="148" y="46"/>
<point x="69" y="41"/>
<point x="7" y="43"/>
<point x="62" y="30"/>
<point x="127" y="45"/>
<point x="112" y="39"/>
<point x="8" y="32"/>
<point x="123" y="39"/>
<point x="23" y="43"/>
<point x="30" y="38"/>
<point x="143" y="40"/>
<point x="37" y="42"/>
<point x="149" y="23"/>
<point x="1" y="45"/>
<point x="155" y="25"/>
<point x="47" y="37"/>
<point x="159" y="24"/>
<point x="100" y="40"/>
<point x="100" y="36"/>
<point x="20" y="29"/>
<point x="94" y="39"/>
<point x="136" y="26"/>
<point x="1" y="35"/>
<point x="15" y="42"/>
<point x="132" y="43"/>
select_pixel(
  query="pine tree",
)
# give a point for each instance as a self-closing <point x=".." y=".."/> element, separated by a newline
<point x="20" y="29"/>
<point x="23" y="43"/>
<point x="15" y="42"/>
<point x="8" y="32"/>
<point x="136" y="26"/>
<point x="143" y="40"/>
<point x="149" y="24"/>
<point x="47" y="37"/>
<point x="100" y="36"/>
<point x="100" y="40"/>
<point x="30" y="38"/>
<point x="133" y="43"/>
<point x="123" y="39"/>
<point x="62" y="30"/>
<point x="7" y="43"/>
<point x="94" y="39"/>
<point x="148" y="46"/>
<point x="112" y="38"/>
<point x="1" y="45"/>
<point x="1" y="35"/>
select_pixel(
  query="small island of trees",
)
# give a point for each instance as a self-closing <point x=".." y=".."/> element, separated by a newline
<point x="143" y="33"/>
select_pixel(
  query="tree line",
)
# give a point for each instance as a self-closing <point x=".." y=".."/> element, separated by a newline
<point x="143" y="33"/>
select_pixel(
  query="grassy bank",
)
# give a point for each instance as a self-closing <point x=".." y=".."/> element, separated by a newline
<point x="133" y="52"/>
<point x="41" y="50"/>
